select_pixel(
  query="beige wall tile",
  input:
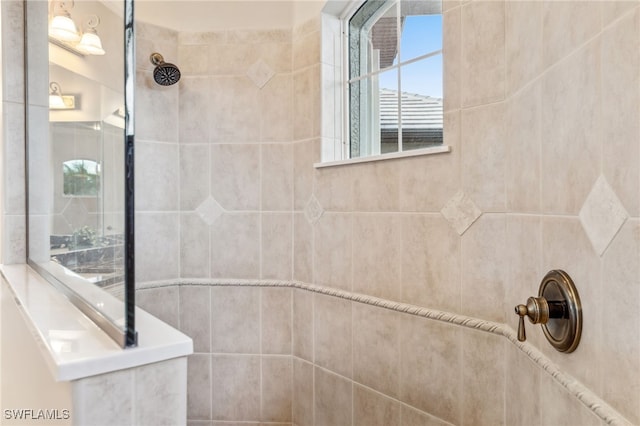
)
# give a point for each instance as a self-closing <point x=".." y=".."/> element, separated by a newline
<point x="427" y="183"/>
<point x="12" y="56"/>
<point x="160" y="393"/>
<point x="572" y="122"/>
<point x="522" y="389"/>
<point x="277" y="305"/>
<point x="620" y="338"/>
<point x="227" y="58"/>
<point x="525" y="273"/>
<point x="523" y="23"/>
<point x="155" y="230"/>
<point x="332" y="399"/>
<point x="483" y="52"/>
<point x="333" y="187"/>
<point x="332" y="330"/>
<point x="194" y="175"/>
<point x="13" y="158"/>
<point x="306" y="103"/>
<point x="332" y="259"/>
<point x="523" y="136"/>
<point x="483" y="157"/>
<point x="235" y="176"/>
<point x="303" y="324"/>
<point x="277" y="376"/>
<point x="277" y="250"/>
<point x="374" y="409"/>
<point x="620" y="107"/>
<point x="562" y="409"/>
<point x="14" y="240"/>
<point x="567" y="25"/>
<point x="430" y="263"/>
<point x="235" y="320"/>
<point x="613" y="9"/>
<point x="193" y="57"/>
<point x="236" y="387"/>
<point x="235" y="246"/>
<point x="483" y="378"/>
<point x="452" y="56"/>
<point x="302" y="249"/>
<point x="413" y="417"/>
<point x="376" y="350"/>
<point x="161" y="302"/>
<point x="304" y="155"/>
<point x="194" y="247"/>
<point x="195" y="316"/>
<point x="38" y="170"/>
<point x="306" y="50"/>
<point x="191" y="422"/>
<point x="104" y="399"/>
<point x="276" y="108"/>
<point x="484" y="268"/>
<point x="277" y="177"/>
<point x="377" y="255"/>
<point x="430" y="367"/>
<point x="193" y="107"/>
<point x="302" y="393"/>
<point x="199" y="387"/>
<point x="150" y="96"/>
<point x="376" y="186"/>
<point x="233" y="107"/>
<point x="157" y="176"/>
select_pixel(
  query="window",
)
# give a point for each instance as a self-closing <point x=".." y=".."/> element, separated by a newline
<point x="81" y="178"/>
<point x="394" y="88"/>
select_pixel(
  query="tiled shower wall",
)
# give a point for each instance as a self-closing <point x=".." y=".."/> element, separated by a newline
<point x="543" y="125"/>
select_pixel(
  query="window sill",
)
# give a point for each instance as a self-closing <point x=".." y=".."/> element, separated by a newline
<point x="392" y="155"/>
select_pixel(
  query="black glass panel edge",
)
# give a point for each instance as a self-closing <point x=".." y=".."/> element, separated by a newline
<point x="131" y="336"/>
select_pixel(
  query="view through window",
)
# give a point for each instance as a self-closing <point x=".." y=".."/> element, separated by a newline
<point x="395" y="77"/>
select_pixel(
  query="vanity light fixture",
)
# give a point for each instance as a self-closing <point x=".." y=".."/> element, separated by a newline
<point x="61" y="26"/>
<point x="59" y="101"/>
<point x="90" y="43"/>
<point x="64" y="32"/>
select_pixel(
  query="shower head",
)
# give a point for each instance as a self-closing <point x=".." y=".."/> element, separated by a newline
<point x="164" y="74"/>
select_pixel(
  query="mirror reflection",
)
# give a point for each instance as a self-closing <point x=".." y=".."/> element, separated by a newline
<point x="76" y="148"/>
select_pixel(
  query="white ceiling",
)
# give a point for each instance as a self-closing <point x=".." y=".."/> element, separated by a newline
<point x="208" y="15"/>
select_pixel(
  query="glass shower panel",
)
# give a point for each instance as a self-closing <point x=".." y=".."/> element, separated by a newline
<point x="77" y="155"/>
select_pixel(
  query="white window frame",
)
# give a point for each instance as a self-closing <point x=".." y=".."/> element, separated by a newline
<point x="337" y="146"/>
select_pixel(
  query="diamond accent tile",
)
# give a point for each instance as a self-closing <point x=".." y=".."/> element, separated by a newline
<point x="461" y="212"/>
<point x="209" y="210"/>
<point x="602" y="215"/>
<point x="75" y="213"/>
<point x="313" y="210"/>
<point x="260" y="73"/>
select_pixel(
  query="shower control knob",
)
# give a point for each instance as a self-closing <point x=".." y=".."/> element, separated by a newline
<point x="537" y="309"/>
<point x="557" y="309"/>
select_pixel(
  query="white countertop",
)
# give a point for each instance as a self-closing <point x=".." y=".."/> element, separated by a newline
<point x="72" y="345"/>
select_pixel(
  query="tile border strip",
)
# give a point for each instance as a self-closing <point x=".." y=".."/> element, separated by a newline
<point x="599" y="407"/>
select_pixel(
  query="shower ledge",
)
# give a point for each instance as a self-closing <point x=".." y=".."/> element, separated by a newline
<point x="73" y="347"/>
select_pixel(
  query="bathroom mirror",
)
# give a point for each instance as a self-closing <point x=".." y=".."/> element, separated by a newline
<point x="79" y="233"/>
